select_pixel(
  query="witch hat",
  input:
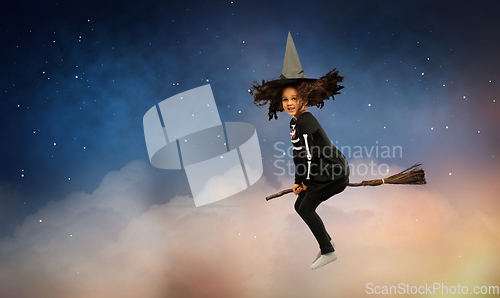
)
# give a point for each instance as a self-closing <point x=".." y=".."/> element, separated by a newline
<point x="314" y="91"/>
<point x="292" y="69"/>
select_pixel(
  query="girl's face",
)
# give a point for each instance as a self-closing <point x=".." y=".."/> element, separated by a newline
<point x="292" y="103"/>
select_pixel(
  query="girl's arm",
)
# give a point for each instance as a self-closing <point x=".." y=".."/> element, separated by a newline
<point x="307" y="130"/>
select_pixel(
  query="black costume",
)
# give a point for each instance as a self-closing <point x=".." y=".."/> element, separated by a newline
<point x="321" y="167"/>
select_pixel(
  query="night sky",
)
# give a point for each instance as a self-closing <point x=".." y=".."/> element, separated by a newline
<point x="84" y="214"/>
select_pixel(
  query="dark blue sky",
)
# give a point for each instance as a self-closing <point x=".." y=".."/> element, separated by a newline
<point x="78" y="77"/>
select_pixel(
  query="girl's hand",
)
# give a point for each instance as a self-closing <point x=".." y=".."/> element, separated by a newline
<point x="304" y="187"/>
<point x="297" y="188"/>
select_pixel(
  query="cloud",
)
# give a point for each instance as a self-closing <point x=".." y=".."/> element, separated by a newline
<point x="111" y="244"/>
<point x="10" y="211"/>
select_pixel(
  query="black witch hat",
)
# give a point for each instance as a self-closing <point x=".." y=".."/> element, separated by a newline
<point x="314" y="91"/>
<point x="292" y="71"/>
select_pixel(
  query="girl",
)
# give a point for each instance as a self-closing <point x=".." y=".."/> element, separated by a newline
<point x="321" y="170"/>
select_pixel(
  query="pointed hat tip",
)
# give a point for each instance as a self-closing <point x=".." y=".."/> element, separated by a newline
<point x="291" y="63"/>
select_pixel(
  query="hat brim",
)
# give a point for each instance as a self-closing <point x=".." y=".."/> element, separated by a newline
<point x="282" y="82"/>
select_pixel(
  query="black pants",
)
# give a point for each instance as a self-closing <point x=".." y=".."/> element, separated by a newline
<point x="306" y="208"/>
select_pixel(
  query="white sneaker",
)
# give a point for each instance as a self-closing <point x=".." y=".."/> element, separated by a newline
<point x="319" y="253"/>
<point x="323" y="260"/>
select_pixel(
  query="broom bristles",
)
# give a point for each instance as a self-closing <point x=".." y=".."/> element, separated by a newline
<point x="414" y="175"/>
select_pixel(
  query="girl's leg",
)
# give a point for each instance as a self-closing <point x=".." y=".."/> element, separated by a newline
<point x="306" y="208"/>
<point x="299" y="200"/>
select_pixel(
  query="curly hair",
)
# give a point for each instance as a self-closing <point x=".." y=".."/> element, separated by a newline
<point x="314" y="92"/>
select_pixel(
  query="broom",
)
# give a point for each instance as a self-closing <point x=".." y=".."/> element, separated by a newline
<point x="412" y="175"/>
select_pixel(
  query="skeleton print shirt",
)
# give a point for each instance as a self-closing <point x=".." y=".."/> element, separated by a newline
<point x="314" y="156"/>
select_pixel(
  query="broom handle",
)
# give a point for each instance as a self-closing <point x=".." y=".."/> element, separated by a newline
<point x="279" y="194"/>
<point x="412" y="175"/>
<point x="289" y="190"/>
